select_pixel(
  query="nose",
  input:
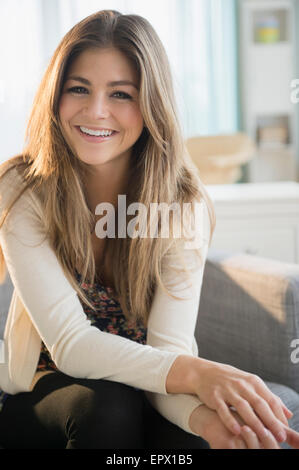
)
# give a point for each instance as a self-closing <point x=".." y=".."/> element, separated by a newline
<point x="97" y="107"/>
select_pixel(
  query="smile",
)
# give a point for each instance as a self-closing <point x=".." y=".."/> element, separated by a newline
<point x="91" y="135"/>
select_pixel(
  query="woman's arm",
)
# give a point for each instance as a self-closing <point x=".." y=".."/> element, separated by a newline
<point x="171" y="327"/>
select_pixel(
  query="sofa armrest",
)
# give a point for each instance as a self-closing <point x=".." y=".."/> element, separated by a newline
<point x="249" y="316"/>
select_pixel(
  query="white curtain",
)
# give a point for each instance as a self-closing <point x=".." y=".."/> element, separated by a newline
<point x="198" y="35"/>
<point x="20" y="69"/>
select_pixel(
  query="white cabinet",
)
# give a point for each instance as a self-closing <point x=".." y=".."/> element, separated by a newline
<point x="267" y="69"/>
<point x="257" y="218"/>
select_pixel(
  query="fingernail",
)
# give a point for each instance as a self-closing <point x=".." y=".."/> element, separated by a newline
<point x="236" y="429"/>
<point x="281" y="436"/>
<point x="246" y="429"/>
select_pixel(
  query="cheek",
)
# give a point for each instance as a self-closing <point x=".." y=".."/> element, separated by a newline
<point x="66" y="108"/>
<point x="132" y="118"/>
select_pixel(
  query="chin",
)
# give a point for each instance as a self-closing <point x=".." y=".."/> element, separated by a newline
<point x="95" y="161"/>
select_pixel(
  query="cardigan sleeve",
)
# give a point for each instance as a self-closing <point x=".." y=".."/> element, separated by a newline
<point x="172" y="324"/>
<point x="77" y="348"/>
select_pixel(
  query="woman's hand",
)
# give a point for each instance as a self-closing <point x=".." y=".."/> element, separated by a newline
<point x="221" y="387"/>
<point x="207" y="423"/>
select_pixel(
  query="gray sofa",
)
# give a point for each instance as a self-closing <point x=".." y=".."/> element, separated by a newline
<point x="248" y="317"/>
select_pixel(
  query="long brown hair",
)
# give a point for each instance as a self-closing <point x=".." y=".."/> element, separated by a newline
<point x="161" y="168"/>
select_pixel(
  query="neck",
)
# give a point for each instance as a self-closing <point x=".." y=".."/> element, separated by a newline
<point x="105" y="182"/>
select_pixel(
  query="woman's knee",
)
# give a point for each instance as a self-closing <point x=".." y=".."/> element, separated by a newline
<point x="99" y="409"/>
<point x="103" y="397"/>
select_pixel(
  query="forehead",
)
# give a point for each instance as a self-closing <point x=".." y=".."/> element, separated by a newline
<point x="103" y="63"/>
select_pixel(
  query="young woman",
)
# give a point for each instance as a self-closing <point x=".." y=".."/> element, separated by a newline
<point x="99" y="342"/>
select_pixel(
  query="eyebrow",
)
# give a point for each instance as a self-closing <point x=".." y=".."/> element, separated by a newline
<point x="110" y="84"/>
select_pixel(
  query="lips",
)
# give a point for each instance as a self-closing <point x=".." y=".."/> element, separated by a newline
<point x="93" y="138"/>
<point x="93" y="128"/>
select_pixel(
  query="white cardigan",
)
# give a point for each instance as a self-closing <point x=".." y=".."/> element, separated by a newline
<point x="45" y="307"/>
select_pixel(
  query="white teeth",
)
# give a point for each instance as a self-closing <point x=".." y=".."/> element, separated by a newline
<point x="96" y="133"/>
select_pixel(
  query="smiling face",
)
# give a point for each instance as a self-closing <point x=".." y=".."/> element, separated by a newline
<point x="92" y="102"/>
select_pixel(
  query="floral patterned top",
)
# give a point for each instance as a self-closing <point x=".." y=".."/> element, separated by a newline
<point x="108" y="317"/>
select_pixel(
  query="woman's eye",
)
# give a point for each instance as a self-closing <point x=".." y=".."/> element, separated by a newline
<point x="77" y="89"/>
<point x="123" y="95"/>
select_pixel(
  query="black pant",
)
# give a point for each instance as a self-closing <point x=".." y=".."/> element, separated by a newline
<point x="66" y="413"/>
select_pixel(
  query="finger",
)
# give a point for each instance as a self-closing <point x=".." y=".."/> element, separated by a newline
<point x="250" y="438"/>
<point x="249" y="416"/>
<point x="278" y="409"/>
<point x="292" y="438"/>
<point x="257" y="414"/>
<point x="239" y="442"/>
<point x="288" y="413"/>
<point x="227" y="417"/>
<point x="269" y="441"/>
<point x="274" y="401"/>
